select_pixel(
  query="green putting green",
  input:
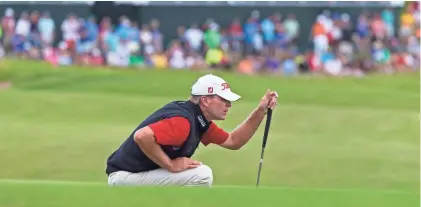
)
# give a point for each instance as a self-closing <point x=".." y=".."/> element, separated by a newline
<point x="332" y="142"/>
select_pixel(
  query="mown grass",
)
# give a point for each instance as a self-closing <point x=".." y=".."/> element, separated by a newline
<point x="327" y="133"/>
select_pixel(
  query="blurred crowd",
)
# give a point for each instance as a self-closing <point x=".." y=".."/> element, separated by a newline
<point x="337" y="46"/>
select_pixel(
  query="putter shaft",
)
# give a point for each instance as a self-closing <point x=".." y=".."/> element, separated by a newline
<point x="260" y="166"/>
<point x="265" y="137"/>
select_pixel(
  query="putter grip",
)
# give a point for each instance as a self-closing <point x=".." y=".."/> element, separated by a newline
<point x="265" y="135"/>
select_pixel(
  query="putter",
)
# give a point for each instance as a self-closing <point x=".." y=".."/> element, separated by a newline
<point x="265" y="138"/>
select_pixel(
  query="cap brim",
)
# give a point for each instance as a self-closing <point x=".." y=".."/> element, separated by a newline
<point x="230" y="96"/>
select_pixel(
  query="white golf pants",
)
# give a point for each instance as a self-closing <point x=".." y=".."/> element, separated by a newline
<point x="200" y="176"/>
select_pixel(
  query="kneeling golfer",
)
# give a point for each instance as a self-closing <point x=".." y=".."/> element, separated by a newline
<point x="158" y="152"/>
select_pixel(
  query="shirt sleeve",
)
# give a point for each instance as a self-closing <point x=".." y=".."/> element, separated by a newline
<point x="214" y="135"/>
<point x="172" y="131"/>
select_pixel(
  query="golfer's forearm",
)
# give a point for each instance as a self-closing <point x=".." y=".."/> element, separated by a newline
<point x="243" y="133"/>
<point x="148" y="145"/>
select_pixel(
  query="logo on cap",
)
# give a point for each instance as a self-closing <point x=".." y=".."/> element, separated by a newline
<point x="225" y="86"/>
<point x="210" y="89"/>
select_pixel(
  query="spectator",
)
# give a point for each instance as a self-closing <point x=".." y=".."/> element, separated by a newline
<point x="268" y="30"/>
<point x="50" y="55"/>
<point x="258" y="43"/>
<point x="194" y="36"/>
<point x="92" y="28"/>
<point x="346" y="51"/>
<point x="104" y="28"/>
<point x="250" y="31"/>
<point x="320" y="40"/>
<point x="96" y="58"/>
<point x="347" y="27"/>
<point x="236" y="35"/>
<point x="363" y="28"/>
<point x="326" y="21"/>
<point x="64" y="54"/>
<point x="134" y="38"/>
<point x="235" y="38"/>
<point x="84" y="45"/>
<point x="281" y="41"/>
<point x="277" y="18"/>
<point x="123" y="29"/>
<point x="146" y="39"/>
<point x="300" y="60"/>
<point x="8" y="29"/>
<point x="1" y="34"/>
<point x="121" y="56"/>
<point x="176" y="56"/>
<point x="337" y="49"/>
<point x="389" y="20"/>
<point x="23" y="25"/>
<point x="289" y="67"/>
<point x="335" y="35"/>
<point x="181" y="32"/>
<point x="413" y="46"/>
<point x="292" y="27"/>
<point x="157" y="38"/>
<point x="33" y="52"/>
<point x="378" y="27"/>
<point x="195" y="61"/>
<point x="212" y="37"/>
<point x="34" y="20"/>
<point x="407" y="23"/>
<point x="110" y="42"/>
<point x="246" y="66"/>
<point x="46" y="28"/>
<point x="332" y="64"/>
<point x="18" y="44"/>
<point x="136" y="61"/>
<point x="225" y="45"/>
<point x="272" y="64"/>
<point x="33" y="46"/>
<point x="214" y="57"/>
<point x="382" y="57"/>
<point x="70" y="31"/>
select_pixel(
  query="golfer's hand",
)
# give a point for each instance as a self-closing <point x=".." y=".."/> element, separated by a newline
<point x="269" y="100"/>
<point x="183" y="163"/>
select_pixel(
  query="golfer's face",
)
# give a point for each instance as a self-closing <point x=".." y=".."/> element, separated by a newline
<point x="219" y="107"/>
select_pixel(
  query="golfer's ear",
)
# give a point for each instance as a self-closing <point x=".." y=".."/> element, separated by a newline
<point x="205" y="100"/>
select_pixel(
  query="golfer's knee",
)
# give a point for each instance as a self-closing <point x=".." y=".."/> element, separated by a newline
<point x="203" y="176"/>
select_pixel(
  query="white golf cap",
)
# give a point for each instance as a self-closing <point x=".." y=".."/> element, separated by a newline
<point x="213" y="85"/>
